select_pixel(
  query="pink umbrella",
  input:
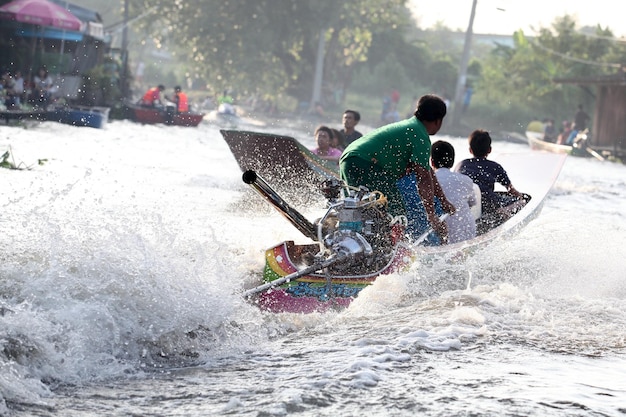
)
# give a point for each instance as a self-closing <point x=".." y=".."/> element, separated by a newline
<point x="40" y="12"/>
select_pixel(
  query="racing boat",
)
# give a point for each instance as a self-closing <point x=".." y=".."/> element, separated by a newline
<point x="355" y="241"/>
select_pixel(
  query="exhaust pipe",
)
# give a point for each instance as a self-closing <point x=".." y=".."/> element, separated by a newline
<point x="298" y="220"/>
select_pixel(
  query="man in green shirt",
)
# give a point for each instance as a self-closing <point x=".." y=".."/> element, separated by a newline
<point x="380" y="158"/>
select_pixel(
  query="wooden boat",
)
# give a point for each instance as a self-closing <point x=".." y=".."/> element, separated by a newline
<point x="155" y="115"/>
<point x="355" y="241"/>
<point x="579" y="148"/>
<point x="95" y="117"/>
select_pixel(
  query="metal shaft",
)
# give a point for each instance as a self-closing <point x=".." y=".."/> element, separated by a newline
<point x="298" y="220"/>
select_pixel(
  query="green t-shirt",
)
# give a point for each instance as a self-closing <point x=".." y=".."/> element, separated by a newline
<point x="393" y="146"/>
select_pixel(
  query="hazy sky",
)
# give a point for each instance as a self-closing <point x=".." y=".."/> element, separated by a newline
<point x="506" y="16"/>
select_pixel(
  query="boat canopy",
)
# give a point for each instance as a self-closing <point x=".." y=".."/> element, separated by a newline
<point x="49" y="33"/>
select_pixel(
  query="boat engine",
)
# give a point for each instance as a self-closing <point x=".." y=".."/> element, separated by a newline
<point x="355" y="235"/>
<point x="357" y="228"/>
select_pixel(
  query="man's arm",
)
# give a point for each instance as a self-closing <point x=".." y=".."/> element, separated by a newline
<point x="426" y="191"/>
<point x="438" y="191"/>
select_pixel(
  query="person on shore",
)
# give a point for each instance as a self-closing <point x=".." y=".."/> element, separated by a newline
<point x="459" y="190"/>
<point x="7" y="89"/>
<point x="323" y="136"/>
<point x="180" y="99"/>
<point x="350" y="119"/>
<point x="43" y="87"/>
<point x="19" y="88"/>
<point x="382" y="157"/>
<point x="152" y="97"/>
<point x="486" y="173"/>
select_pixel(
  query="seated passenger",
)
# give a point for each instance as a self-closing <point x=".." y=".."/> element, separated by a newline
<point x="549" y="131"/>
<point x="486" y="174"/>
<point x="180" y="99"/>
<point x="152" y="98"/>
<point x="458" y="189"/>
<point x="324" y="135"/>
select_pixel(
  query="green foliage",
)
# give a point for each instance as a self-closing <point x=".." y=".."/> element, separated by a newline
<point x="101" y="85"/>
<point x="525" y="73"/>
<point x="268" y="49"/>
<point x="385" y="76"/>
<point x="270" y="46"/>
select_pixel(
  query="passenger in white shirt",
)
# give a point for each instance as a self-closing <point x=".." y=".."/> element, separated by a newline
<point x="458" y="189"/>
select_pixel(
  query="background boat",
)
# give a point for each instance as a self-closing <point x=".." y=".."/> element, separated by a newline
<point x="151" y="115"/>
<point x="96" y="117"/>
<point x="580" y="148"/>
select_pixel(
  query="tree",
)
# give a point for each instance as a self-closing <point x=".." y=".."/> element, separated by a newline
<point x="523" y="76"/>
<point x="269" y="47"/>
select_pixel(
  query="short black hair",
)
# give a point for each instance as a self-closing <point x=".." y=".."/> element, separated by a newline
<point x="356" y="114"/>
<point x="324" y="129"/>
<point x="442" y="154"/>
<point x="480" y="143"/>
<point x="430" y="108"/>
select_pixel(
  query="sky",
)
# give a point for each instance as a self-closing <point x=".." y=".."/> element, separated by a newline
<point x="507" y="16"/>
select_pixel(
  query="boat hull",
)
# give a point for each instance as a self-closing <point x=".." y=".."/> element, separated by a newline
<point x="150" y="115"/>
<point x="95" y="117"/>
<point x="316" y="292"/>
<point x="536" y="143"/>
<point x="536" y="182"/>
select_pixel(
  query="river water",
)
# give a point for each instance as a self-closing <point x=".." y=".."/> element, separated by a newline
<point x="125" y="249"/>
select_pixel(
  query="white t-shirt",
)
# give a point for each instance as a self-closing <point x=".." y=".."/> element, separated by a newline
<point x="459" y="190"/>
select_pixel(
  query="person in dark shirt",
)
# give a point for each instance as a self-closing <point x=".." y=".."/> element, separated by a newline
<point x="350" y="119"/>
<point x="580" y="119"/>
<point x="401" y="151"/>
<point x="486" y="173"/>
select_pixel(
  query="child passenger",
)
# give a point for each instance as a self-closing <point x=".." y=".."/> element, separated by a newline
<point x="458" y="189"/>
<point x="486" y="173"/>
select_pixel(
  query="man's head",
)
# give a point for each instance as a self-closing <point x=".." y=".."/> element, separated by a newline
<point x="350" y="119"/>
<point x="480" y="143"/>
<point x="161" y="87"/>
<point x="442" y="154"/>
<point x="431" y="110"/>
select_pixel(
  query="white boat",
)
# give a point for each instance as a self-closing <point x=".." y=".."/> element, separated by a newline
<point x="579" y="148"/>
<point x="533" y="174"/>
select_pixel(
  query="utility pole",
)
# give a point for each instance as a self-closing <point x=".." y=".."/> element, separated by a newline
<point x="462" y="80"/>
<point x="319" y="70"/>
<point x="125" y="75"/>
